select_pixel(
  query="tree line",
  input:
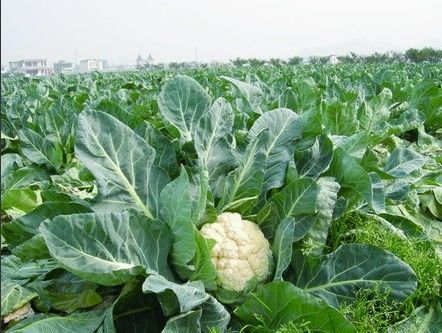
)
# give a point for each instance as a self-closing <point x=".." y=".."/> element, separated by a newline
<point x="413" y="55"/>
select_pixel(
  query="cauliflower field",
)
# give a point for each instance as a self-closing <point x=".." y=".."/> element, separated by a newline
<point x="231" y="199"/>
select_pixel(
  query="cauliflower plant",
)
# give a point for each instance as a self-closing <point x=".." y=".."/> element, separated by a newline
<point x="241" y="252"/>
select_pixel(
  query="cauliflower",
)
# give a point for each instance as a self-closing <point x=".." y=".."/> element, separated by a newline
<point x="241" y="252"/>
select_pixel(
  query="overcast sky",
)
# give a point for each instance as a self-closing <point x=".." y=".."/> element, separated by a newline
<point x="180" y="30"/>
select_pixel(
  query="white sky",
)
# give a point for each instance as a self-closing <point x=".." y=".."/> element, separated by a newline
<point x="170" y="30"/>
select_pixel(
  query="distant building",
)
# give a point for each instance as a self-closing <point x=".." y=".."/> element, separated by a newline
<point x="4" y="69"/>
<point x="35" y="67"/>
<point x="333" y="60"/>
<point x="63" y="67"/>
<point x="141" y="62"/>
<point x="88" y="65"/>
<point x="119" y="68"/>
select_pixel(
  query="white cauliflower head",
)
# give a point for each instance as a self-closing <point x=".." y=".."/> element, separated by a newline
<point x="241" y="252"/>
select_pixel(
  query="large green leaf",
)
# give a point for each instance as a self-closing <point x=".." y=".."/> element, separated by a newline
<point x="408" y="120"/>
<point x="310" y="122"/>
<point x="202" y="207"/>
<point x="284" y="128"/>
<point x="314" y="160"/>
<point x="430" y="202"/>
<point x="63" y="291"/>
<point x="176" y="211"/>
<point x="188" y="322"/>
<point x="39" y="150"/>
<point x="250" y="95"/>
<point x="243" y="185"/>
<point x="204" y="268"/>
<point x="27" y="176"/>
<point x="211" y="138"/>
<point x="426" y="96"/>
<point x="86" y="322"/>
<point x="377" y="192"/>
<point x="166" y="156"/>
<point x="340" y="118"/>
<point x="14" y="296"/>
<point x="296" y="199"/>
<point x="282" y="246"/>
<point x="349" y="173"/>
<point x="21" y="271"/>
<point x="423" y="320"/>
<point x="279" y="303"/>
<point x="186" y="296"/>
<point x="352" y="267"/>
<point x="108" y="248"/>
<point x="33" y="248"/>
<point x="325" y="204"/>
<point x="9" y="162"/>
<point x="122" y="163"/>
<point x="58" y="122"/>
<point x="375" y="112"/>
<point x="403" y="161"/>
<point x="355" y="145"/>
<point x="117" y="110"/>
<point x="26" y="226"/>
<point x="17" y="202"/>
<point x="176" y="298"/>
<point x="182" y="102"/>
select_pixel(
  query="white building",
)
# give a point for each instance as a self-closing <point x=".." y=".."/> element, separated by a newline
<point x="35" y="67"/>
<point x="63" y="67"/>
<point x="88" y="65"/>
<point x="119" y="68"/>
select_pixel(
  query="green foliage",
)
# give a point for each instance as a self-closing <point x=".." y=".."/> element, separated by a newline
<point x="371" y="311"/>
<point x="279" y="303"/>
<point x="415" y="251"/>
<point x="425" y="54"/>
<point x="108" y="177"/>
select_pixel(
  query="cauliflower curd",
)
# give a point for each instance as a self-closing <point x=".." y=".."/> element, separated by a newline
<point x="241" y="252"/>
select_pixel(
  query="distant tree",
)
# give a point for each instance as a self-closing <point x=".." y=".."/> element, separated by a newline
<point x="174" y="65"/>
<point x="294" y="60"/>
<point x="277" y="61"/>
<point x="396" y="57"/>
<point x="315" y="60"/>
<point x="377" y="58"/>
<point x="425" y="54"/>
<point x="239" y="61"/>
<point x="347" y="59"/>
<point x="413" y="55"/>
<point x="256" y="62"/>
